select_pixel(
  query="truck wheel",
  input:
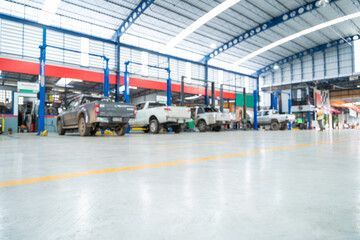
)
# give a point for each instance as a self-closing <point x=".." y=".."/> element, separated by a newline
<point x="275" y="125"/>
<point x="120" y="131"/>
<point x="201" y="126"/>
<point x="177" y="129"/>
<point x="154" y="126"/>
<point x="93" y="132"/>
<point x="217" y="129"/>
<point x="284" y="126"/>
<point x="83" y="129"/>
<point x="60" y="129"/>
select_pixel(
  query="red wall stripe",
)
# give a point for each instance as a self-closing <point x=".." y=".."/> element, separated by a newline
<point x="11" y="65"/>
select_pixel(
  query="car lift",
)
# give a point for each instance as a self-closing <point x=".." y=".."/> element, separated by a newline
<point x="126" y="93"/>
<point x="43" y="47"/>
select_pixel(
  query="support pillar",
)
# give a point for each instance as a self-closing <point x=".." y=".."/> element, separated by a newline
<point x="168" y="88"/>
<point x="182" y="91"/>
<point x="256" y="94"/>
<point x="206" y="82"/>
<point x="126" y="93"/>
<point x="106" y="77"/>
<point x="41" y="113"/>
<point x="221" y="98"/>
<point x="118" y="74"/>
<point x="213" y="94"/>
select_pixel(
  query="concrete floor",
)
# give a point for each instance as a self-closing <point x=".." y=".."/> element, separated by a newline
<point x="227" y="185"/>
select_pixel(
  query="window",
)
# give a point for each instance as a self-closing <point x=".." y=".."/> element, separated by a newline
<point x="188" y="71"/>
<point x="84" y="52"/>
<point x="145" y="63"/>
<point x="140" y="106"/>
<point x="357" y="55"/>
<point x="156" y="104"/>
<point x="200" y="110"/>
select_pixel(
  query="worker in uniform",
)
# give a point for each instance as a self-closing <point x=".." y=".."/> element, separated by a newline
<point x="320" y="118"/>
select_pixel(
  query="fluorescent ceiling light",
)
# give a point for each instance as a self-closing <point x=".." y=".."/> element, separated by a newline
<point x="297" y="35"/>
<point x="201" y="21"/>
<point x="193" y="97"/>
<point x="213" y="45"/>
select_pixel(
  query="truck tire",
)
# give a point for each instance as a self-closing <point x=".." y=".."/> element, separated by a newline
<point x="177" y="129"/>
<point x="83" y="129"/>
<point x="217" y="129"/>
<point x="154" y="126"/>
<point x="60" y="129"/>
<point x="120" y="131"/>
<point x="93" y="132"/>
<point x="284" y="126"/>
<point x="274" y="125"/>
<point x="201" y="126"/>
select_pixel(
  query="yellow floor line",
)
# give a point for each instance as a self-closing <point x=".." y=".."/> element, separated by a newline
<point x="64" y="176"/>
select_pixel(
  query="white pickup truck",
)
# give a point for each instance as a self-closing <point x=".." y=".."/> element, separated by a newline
<point x="153" y="115"/>
<point x="274" y="119"/>
<point x="209" y="118"/>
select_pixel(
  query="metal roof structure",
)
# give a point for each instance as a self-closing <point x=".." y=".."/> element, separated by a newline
<point x="241" y="29"/>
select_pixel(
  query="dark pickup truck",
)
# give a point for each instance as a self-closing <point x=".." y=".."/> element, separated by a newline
<point x="88" y="114"/>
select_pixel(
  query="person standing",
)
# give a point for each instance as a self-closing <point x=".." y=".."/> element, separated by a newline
<point x="320" y="118"/>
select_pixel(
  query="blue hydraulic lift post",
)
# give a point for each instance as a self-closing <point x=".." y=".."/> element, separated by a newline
<point x="289" y="109"/>
<point x="117" y="85"/>
<point x="126" y="83"/>
<point x="41" y="113"/>
<point x="168" y="88"/>
<point x="106" y="77"/>
<point x="256" y="104"/>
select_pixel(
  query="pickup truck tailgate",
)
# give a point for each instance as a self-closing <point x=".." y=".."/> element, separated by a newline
<point x="178" y="112"/>
<point x="111" y="109"/>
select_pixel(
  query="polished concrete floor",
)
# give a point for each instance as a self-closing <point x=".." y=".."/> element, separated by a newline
<point x="227" y="185"/>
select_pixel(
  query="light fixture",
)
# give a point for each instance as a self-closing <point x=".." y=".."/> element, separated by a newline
<point x="201" y="21"/>
<point x="276" y="67"/>
<point x="213" y="45"/>
<point x="297" y="35"/>
<point x="193" y="97"/>
<point x="66" y="81"/>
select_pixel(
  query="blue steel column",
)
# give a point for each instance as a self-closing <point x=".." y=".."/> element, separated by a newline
<point x="117" y="85"/>
<point x="126" y="83"/>
<point x="168" y="88"/>
<point x="106" y="77"/>
<point x="338" y="59"/>
<point x="41" y="113"/>
<point x="256" y="104"/>
<point x="324" y="60"/>
<point x="289" y="109"/>
<point x="206" y="82"/>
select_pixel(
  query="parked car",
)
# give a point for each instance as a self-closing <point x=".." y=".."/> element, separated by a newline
<point x="209" y="118"/>
<point x="153" y="115"/>
<point x="88" y="114"/>
<point x="274" y="119"/>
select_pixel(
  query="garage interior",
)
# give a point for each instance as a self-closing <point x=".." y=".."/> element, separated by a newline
<point x="179" y="119"/>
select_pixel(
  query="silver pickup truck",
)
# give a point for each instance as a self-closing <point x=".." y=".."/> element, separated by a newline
<point x="88" y="114"/>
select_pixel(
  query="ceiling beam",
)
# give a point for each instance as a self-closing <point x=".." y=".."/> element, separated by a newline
<point x="309" y="51"/>
<point x="135" y="14"/>
<point x="265" y="26"/>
